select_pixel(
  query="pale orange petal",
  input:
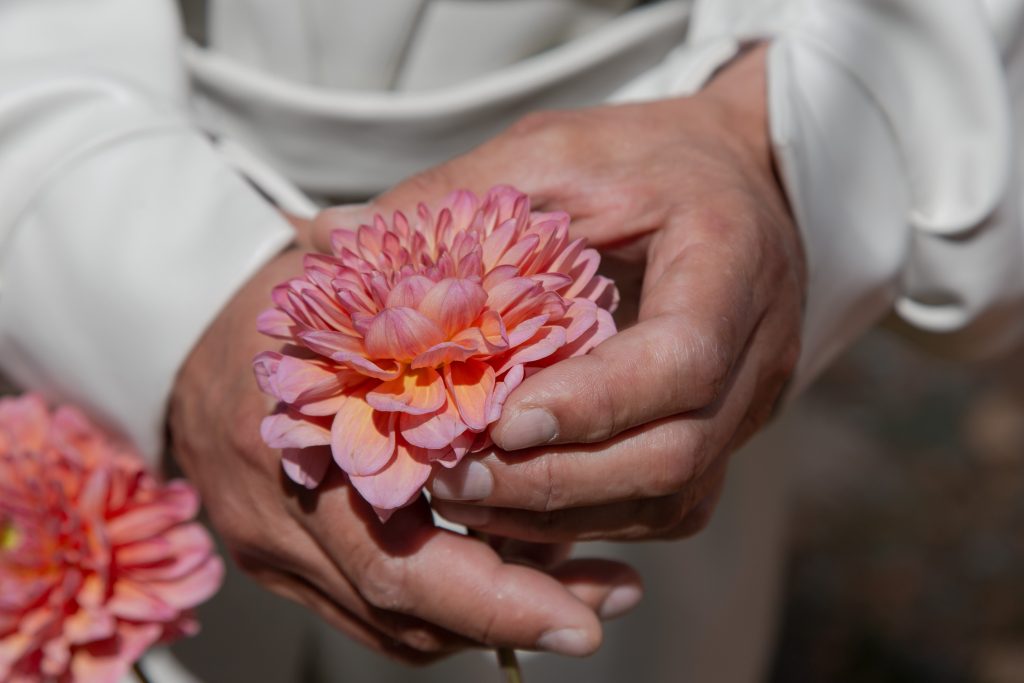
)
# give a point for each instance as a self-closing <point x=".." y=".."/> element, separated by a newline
<point x="417" y="392"/>
<point x="362" y="439"/>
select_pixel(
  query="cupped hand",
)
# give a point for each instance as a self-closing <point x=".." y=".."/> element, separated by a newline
<point x="632" y="440"/>
<point x="405" y="588"/>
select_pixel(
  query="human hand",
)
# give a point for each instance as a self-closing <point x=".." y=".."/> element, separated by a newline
<point x="405" y="588"/>
<point x="687" y="188"/>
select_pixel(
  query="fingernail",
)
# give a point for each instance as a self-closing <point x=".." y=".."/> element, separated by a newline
<point x="621" y="600"/>
<point x="346" y="216"/>
<point x="466" y="515"/>
<point x="471" y="480"/>
<point x="565" y="641"/>
<point x="532" y="427"/>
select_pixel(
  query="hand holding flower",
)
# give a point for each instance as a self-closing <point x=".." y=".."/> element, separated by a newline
<point x="686" y="188"/>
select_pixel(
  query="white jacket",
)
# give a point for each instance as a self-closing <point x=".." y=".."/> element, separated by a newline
<point x="124" y="228"/>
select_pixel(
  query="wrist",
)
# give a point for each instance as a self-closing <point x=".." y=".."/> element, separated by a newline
<point x="738" y="96"/>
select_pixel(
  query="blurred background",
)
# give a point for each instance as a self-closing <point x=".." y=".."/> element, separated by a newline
<point x="906" y="559"/>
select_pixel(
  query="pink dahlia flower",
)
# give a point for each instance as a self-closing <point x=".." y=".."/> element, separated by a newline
<point x="97" y="560"/>
<point x="402" y="345"/>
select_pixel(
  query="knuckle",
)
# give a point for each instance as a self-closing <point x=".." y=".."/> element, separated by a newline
<point x="382" y="583"/>
<point x="680" y="470"/>
<point x="421" y="639"/>
<point x="660" y="514"/>
<point x="694" y="522"/>
<point x="533" y="122"/>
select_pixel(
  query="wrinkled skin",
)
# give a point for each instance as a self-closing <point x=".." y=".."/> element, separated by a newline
<point x="638" y="433"/>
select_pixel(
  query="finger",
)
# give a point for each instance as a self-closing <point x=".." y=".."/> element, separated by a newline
<point x="455" y="582"/>
<point x="695" y="322"/>
<point x="627" y="521"/>
<point x="587" y="578"/>
<point x="302" y="558"/>
<point x="652" y="461"/>
<point x="298" y="590"/>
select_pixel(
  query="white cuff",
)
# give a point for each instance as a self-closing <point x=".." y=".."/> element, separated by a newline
<point x="118" y="265"/>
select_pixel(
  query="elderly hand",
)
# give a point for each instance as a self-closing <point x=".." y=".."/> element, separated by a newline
<point x="632" y="440"/>
<point x="405" y="588"/>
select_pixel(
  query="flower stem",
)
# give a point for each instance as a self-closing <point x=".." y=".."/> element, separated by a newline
<point x="509" y="665"/>
<point x="511" y="673"/>
<point x="139" y="673"/>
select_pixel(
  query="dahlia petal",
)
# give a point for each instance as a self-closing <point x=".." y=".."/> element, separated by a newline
<point x="290" y="429"/>
<point x="370" y="239"/>
<point x="343" y="238"/>
<point x="346" y="349"/>
<point x="497" y="243"/>
<point x="401" y="334"/>
<point x="459" y="448"/>
<point x="520" y="250"/>
<point x="409" y="292"/>
<point x="275" y="323"/>
<point x="505" y="295"/>
<point x="471" y="384"/>
<point x="603" y="292"/>
<point x="525" y="330"/>
<point x="191" y="589"/>
<point x="86" y="626"/>
<point x="300" y="381"/>
<point x="463" y="206"/>
<point x="453" y="304"/>
<point x="534" y="304"/>
<point x="496" y="276"/>
<point x="512" y="379"/>
<point x="335" y="345"/>
<point x="581" y="316"/>
<point x="182" y="539"/>
<point x="551" y="282"/>
<point x="177" y="502"/>
<point x="435" y="431"/>
<point x="547" y="341"/>
<point x="264" y="366"/>
<point x="398" y="483"/>
<point x="93" y="591"/>
<point x="107" y="662"/>
<point x="492" y="329"/>
<point x="582" y="271"/>
<point x="182" y="561"/>
<point x="417" y="391"/>
<point x="306" y="466"/>
<point x="25" y="421"/>
<point x="362" y="439"/>
<point x="446" y="352"/>
<point x="131" y="601"/>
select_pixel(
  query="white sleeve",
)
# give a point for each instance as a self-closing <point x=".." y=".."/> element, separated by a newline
<point x="122" y="232"/>
<point x="893" y="127"/>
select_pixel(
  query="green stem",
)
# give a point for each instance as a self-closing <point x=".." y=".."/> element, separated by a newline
<point x="507" y="661"/>
<point x="139" y="673"/>
<point x="509" y="665"/>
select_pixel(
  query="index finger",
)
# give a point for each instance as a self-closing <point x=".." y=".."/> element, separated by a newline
<point x="697" y="316"/>
<point x="409" y="566"/>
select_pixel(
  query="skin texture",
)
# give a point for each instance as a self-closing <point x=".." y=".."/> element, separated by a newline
<point x="639" y="431"/>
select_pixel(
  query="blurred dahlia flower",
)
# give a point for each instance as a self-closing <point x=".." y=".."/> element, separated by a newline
<point x="97" y="559"/>
<point x="402" y="345"/>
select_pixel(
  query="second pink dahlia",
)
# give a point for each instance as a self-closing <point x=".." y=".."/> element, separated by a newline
<point x="403" y="344"/>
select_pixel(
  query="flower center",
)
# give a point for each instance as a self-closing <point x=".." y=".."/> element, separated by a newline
<point x="10" y="537"/>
